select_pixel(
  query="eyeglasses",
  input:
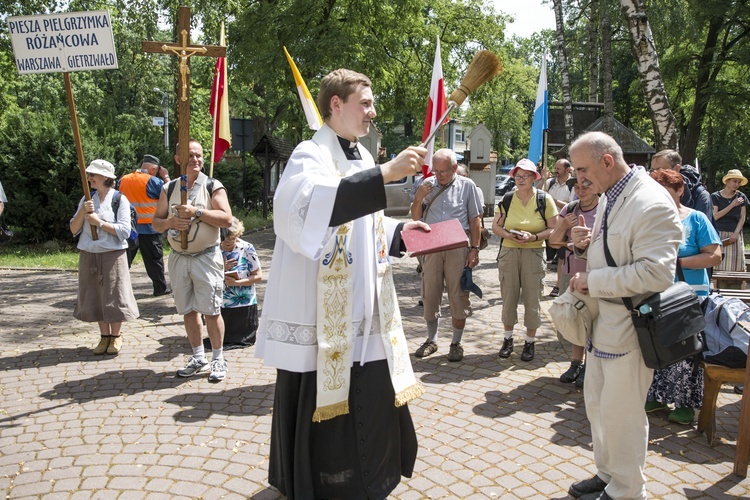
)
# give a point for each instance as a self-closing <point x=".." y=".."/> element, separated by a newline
<point x="524" y="177"/>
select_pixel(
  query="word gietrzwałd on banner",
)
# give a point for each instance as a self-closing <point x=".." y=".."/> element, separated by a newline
<point x="70" y="41"/>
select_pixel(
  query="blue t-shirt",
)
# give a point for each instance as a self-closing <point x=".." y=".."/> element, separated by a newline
<point x="697" y="232"/>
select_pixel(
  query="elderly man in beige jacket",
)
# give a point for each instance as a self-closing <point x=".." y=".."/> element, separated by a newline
<point x="643" y="233"/>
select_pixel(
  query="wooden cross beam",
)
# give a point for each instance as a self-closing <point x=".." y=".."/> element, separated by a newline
<point x="184" y="50"/>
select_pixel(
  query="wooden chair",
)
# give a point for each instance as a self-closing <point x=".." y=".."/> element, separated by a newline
<point x="713" y="377"/>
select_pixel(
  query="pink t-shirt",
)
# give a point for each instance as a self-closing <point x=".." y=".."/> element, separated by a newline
<point x="572" y="264"/>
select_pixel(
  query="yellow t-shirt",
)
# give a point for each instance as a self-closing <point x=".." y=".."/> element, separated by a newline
<point x="526" y="218"/>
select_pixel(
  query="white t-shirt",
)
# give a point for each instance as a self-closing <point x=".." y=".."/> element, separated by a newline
<point x="560" y="192"/>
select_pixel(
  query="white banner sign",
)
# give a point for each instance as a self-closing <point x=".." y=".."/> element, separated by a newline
<point x="69" y="41"/>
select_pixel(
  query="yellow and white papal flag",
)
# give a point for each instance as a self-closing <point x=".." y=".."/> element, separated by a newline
<point x="308" y="103"/>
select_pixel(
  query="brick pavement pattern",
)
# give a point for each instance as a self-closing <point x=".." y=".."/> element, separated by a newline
<point x="75" y="425"/>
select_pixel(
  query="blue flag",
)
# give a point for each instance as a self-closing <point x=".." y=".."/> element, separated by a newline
<point x="541" y="117"/>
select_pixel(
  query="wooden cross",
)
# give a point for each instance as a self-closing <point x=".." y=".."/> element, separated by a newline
<point x="184" y="50"/>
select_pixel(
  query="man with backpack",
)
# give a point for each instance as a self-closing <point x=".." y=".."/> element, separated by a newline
<point x="197" y="272"/>
<point x="142" y="188"/>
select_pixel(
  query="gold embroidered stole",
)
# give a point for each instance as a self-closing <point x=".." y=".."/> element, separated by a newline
<point x="334" y="326"/>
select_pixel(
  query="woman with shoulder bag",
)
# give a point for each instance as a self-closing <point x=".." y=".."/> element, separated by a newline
<point x="105" y="294"/>
<point x="520" y="263"/>
<point x="729" y="213"/>
<point x="681" y="384"/>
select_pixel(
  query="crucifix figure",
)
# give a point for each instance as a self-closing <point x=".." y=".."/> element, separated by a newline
<point x="184" y="51"/>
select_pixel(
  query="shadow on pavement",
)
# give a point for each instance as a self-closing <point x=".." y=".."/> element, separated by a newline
<point x="200" y="406"/>
<point x="718" y="490"/>
<point x="49" y="357"/>
<point x="169" y="348"/>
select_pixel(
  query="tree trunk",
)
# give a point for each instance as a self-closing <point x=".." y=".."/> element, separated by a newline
<point x="606" y="31"/>
<point x="593" y="52"/>
<point x="563" y="61"/>
<point x="708" y="68"/>
<point x="647" y="61"/>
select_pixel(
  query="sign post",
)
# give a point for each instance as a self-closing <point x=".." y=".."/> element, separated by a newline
<point x="184" y="50"/>
<point x="60" y="43"/>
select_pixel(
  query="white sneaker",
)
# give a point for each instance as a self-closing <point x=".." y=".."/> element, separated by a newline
<point x="218" y="370"/>
<point x="194" y="366"/>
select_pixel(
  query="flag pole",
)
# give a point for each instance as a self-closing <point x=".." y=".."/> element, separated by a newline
<point x="79" y="146"/>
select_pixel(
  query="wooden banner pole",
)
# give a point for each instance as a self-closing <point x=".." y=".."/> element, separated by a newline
<point x="79" y="147"/>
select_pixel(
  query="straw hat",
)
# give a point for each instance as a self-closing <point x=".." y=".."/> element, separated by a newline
<point x="734" y="174"/>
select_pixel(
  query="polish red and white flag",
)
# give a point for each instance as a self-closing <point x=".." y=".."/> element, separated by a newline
<point x="436" y="106"/>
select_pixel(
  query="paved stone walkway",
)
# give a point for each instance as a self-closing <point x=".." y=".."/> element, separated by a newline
<point x="75" y="425"/>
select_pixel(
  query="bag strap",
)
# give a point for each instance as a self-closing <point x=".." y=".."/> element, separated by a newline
<point x="427" y="208"/>
<point x="116" y="202"/>
<point x="173" y="183"/>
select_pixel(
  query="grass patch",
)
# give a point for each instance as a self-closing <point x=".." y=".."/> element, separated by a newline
<point x="57" y="256"/>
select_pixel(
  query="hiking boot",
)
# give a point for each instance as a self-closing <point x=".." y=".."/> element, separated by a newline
<point x="528" y="351"/>
<point x="652" y="406"/>
<point x="581" y="376"/>
<point x="218" y="370"/>
<point x="456" y="352"/>
<point x="115" y="344"/>
<point x="682" y="416"/>
<point x="193" y="366"/>
<point x="507" y="348"/>
<point x="572" y="373"/>
<point x="101" y="347"/>
<point x="429" y="347"/>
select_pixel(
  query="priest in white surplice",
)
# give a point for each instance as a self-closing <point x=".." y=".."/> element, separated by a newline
<point x="330" y="321"/>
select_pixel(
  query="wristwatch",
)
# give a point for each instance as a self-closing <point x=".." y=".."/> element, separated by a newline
<point x="198" y="213"/>
<point x="475" y="248"/>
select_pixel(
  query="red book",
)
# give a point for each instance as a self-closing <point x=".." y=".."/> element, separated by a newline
<point x="445" y="235"/>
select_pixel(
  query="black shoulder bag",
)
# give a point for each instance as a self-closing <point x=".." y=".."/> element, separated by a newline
<point x="669" y="324"/>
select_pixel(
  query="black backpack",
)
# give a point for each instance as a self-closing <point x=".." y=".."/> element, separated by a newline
<point x="133" y="215"/>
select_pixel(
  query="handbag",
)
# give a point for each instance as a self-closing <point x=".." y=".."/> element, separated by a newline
<point x="669" y="324"/>
<point x="5" y="232"/>
<point x="573" y="314"/>
<point x="484" y="236"/>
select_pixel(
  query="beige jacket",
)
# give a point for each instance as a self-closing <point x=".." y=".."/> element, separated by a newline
<point x="643" y="236"/>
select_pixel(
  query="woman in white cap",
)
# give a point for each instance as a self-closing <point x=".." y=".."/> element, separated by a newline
<point x="729" y="214"/>
<point x="520" y="262"/>
<point x="105" y="295"/>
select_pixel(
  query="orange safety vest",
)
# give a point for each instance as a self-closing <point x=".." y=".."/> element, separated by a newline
<point x="134" y="187"/>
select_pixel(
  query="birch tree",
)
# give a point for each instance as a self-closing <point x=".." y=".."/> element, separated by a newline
<point x="647" y="62"/>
